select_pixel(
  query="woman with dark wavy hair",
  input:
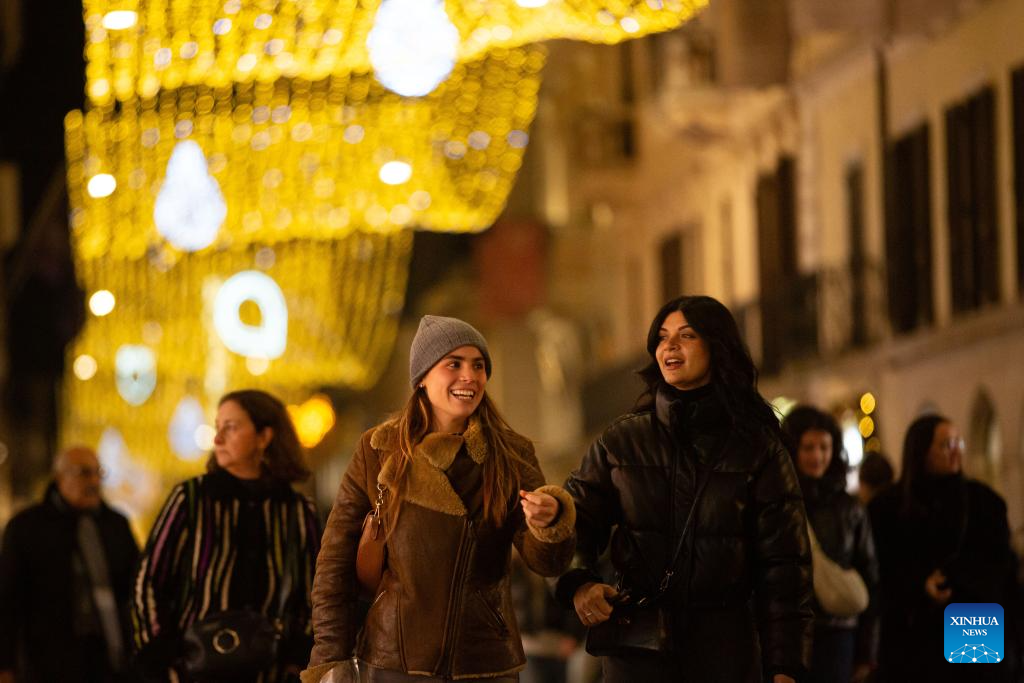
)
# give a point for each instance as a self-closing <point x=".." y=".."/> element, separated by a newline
<point x="459" y="488"/>
<point x="844" y="646"/>
<point x="700" y="460"/>
<point x="236" y="538"/>
<point x="941" y="538"/>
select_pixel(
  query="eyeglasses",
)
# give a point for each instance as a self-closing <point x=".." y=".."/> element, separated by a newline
<point x="82" y="472"/>
<point x="953" y="444"/>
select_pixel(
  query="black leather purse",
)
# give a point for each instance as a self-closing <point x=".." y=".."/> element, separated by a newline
<point x="632" y="629"/>
<point x="641" y="627"/>
<point x="236" y="644"/>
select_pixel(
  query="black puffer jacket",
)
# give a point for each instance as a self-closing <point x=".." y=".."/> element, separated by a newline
<point x="842" y="526"/>
<point x="742" y="589"/>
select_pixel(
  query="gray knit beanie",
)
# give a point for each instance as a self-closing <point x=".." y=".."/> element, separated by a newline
<point x="438" y="336"/>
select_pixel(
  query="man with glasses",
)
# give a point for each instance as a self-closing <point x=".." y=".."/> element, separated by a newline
<point x="65" y="574"/>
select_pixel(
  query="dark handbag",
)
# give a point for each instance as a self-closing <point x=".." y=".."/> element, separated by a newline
<point x="372" y="551"/>
<point x="633" y="629"/>
<point x="641" y="627"/>
<point x="236" y="644"/>
<point x="229" y="645"/>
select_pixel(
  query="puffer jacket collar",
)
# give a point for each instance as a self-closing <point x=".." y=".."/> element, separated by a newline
<point x="426" y="483"/>
<point x="681" y="410"/>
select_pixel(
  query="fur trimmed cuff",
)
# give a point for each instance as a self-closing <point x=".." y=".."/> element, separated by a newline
<point x="314" y="673"/>
<point x="564" y="525"/>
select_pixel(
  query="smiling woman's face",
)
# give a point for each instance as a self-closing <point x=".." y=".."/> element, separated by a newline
<point x="455" y="387"/>
<point x="682" y="355"/>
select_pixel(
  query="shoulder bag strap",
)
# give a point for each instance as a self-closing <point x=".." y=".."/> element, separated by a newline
<point x="666" y="579"/>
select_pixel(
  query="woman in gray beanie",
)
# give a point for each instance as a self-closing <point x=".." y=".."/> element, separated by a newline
<point x="458" y="489"/>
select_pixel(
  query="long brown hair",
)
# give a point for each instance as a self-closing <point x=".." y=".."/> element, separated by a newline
<point x="502" y="468"/>
<point x="282" y="459"/>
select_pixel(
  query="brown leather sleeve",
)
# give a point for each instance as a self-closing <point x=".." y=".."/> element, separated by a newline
<point x="546" y="551"/>
<point x="334" y="587"/>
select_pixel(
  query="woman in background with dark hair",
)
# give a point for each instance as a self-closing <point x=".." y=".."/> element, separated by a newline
<point x="844" y="646"/>
<point x="738" y="600"/>
<point x="940" y="538"/>
<point x="236" y="538"/>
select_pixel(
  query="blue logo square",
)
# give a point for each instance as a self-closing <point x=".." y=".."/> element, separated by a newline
<point x="973" y="633"/>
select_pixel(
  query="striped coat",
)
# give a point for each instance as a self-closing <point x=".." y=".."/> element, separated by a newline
<point x="199" y="560"/>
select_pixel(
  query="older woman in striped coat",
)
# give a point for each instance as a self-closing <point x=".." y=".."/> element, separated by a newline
<point x="236" y="538"/>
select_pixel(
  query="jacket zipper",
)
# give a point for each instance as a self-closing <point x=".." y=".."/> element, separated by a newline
<point x="448" y="643"/>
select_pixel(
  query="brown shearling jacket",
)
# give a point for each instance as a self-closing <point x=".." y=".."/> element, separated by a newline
<point x="444" y="606"/>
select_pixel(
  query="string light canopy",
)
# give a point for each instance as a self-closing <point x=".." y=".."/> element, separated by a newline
<point x="136" y="48"/>
<point x="266" y="162"/>
<point x="132" y="368"/>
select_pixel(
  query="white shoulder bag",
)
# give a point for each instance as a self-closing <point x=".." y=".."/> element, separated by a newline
<point x="840" y="592"/>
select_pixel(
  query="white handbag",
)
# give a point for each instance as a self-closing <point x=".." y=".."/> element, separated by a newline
<point x="840" y="592"/>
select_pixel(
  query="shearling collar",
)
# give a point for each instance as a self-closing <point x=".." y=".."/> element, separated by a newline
<point x="427" y="484"/>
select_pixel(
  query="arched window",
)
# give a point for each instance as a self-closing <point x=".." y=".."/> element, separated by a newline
<point x="984" y="442"/>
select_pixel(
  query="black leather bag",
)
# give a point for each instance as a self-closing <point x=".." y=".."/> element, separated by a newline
<point x="641" y="627"/>
<point x="632" y="630"/>
<point x="231" y="645"/>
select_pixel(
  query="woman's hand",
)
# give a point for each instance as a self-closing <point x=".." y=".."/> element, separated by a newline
<point x="591" y="603"/>
<point x="540" y="508"/>
<point x="936" y="588"/>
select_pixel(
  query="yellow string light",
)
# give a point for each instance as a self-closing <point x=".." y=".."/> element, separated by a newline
<point x="300" y="159"/>
<point x="173" y="43"/>
<point x="344" y="297"/>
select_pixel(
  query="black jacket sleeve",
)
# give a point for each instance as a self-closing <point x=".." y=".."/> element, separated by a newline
<point x="597" y="510"/>
<point x="866" y="564"/>
<point x="783" y="589"/>
<point x="11" y="603"/>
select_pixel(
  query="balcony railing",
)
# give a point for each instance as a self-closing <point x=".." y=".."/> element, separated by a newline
<point x="815" y="315"/>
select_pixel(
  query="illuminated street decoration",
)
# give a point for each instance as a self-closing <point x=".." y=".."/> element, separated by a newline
<point x="189" y="208"/>
<point x="295" y="159"/>
<point x="412" y="46"/>
<point x="267" y="339"/>
<point x="135" y="367"/>
<point x="220" y="42"/>
<point x="343" y="297"/>
<point x="312" y="420"/>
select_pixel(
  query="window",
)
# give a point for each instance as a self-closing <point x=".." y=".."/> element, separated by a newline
<point x="671" y="255"/>
<point x="973" y="229"/>
<point x="909" y="232"/>
<point x="776" y="227"/>
<point x="858" y="262"/>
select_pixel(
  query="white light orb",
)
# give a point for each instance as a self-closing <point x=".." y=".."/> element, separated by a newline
<point x="395" y="172"/>
<point x="181" y="430"/>
<point x="102" y="302"/>
<point x="120" y="19"/>
<point x="190" y="208"/>
<point x="101" y="185"/>
<point x="269" y="338"/>
<point x="135" y="373"/>
<point x="85" y="367"/>
<point x="204" y="437"/>
<point x="412" y="45"/>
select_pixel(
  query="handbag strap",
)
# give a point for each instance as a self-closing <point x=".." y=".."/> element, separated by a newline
<point x="666" y="579"/>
